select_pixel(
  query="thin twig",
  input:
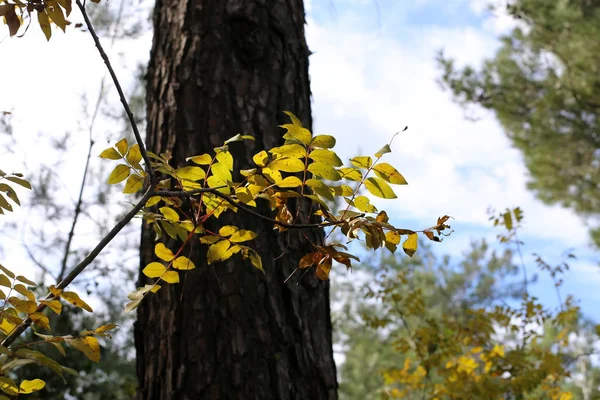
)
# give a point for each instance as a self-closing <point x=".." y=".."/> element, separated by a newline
<point x="18" y="330"/>
<point x="134" y="127"/>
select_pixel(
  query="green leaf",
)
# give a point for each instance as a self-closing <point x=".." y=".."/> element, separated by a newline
<point x="384" y="150"/>
<point x="362" y="162"/>
<point x="324" y="171"/>
<point x="295" y="132"/>
<point x="350" y="173"/>
<point x="34" y="385"/>
<point x="183" y="263"/>
<point x="410" y="244"/>
<point x="287" y="165"/>
<point x="134" y="184"/>
<point x="119" y="174"/>
<point x="203" y="159"/>
<point x="379" y="188"/>
<point x="327" y="157"/>
<point x="163" y="252"/>
<point x="323" y="141"/>
<point x="389" y="174"/>
<point x="169" y="214"/>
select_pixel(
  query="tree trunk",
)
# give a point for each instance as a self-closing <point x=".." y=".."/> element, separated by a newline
<point x="218" y="68"/>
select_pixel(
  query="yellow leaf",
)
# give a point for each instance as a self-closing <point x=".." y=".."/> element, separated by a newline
<point x="6" y="326"/>
<point x="256" y="261"/>
<point x="190" y="173"/>
<point x="134" y="155"/>
<point x="323" y="141"/>
<point x="392" y="237"/>
<point x="294" y="119"/>
<point x="320" y="188"/>
<point x="21" y="278"/>
<point x="324" y="171"/>
<point x="169" y="214"/>
<point x="364" y="204"/>
<point x="171" y="277"/>
<point x="44" y="22"/>
<point x="40" y="320"/>
<point x="273" y="175"/>
<point x="379" y="188"/>
<point x="245" y="196"/>
<point x="7" y="271"/>
<point x="290" y="182"/>
<point x="323" y="269"/>
<point x="243" y="235"/>
<point x="56" y="14"/>
<point x="153" y="201"/>
<point x="154" y="270"/>
<point x="217" y="251"/>
<point x="122" y="146"/>
<point x="88" y="345"/>
<point x="66" y="4"/>
<point x="54" y="305"/>
<point x="104" y="328"/>
<point x="203" y="159"/>
<point x="261" y="158"/>
<point x="183" y="263"/>
<point x="163" y="252"/>
<point x="4" y="281"/>
<point x="216" y="182"/>
<point x="134" y="184"/>
<point x="74" y="299"/>
<point x="226" y="158"/>
<point x="228" y="230"/>
<point x="221" y="171"/>
<point x="352" y="174"/>
<point x="342" y="190"/>
<point x="289" y="150"/>
<point x="410" y="244"/>
<point x="287" y="164"/>
<point x="28" y="386"/>
<point x="389" y="174"/>
<point x="384" y="150"/>
<point x="362" y="162"/>
<point x="119" y="174"/>
<point x="327" y="157"/>
<point x="296" y="132"/>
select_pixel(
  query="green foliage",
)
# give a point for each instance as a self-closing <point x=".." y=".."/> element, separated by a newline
<point x="543" y="86"/>
<point x="303" y="167"/>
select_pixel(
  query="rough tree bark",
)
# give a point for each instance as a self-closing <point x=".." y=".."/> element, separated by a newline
<point x="227" y="331"/>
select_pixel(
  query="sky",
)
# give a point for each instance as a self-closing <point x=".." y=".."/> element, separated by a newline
<point x="373" y="72"/>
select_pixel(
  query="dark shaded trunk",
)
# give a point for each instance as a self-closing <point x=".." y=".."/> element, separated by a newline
<point x="219" y="68"/>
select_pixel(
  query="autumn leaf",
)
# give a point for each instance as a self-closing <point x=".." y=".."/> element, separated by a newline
<point x="119" y="174"/>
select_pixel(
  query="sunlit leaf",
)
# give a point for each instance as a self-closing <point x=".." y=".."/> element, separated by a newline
<point x="169" y="214"/>
<point x="153" y="201"/>
<point x="217" y="251"/>
<point x="183" y="263"/>
<point x="287" y="164"/>
<point x="261" y="158"/>
<point x="228" y="230"/>
<point x="134" y="155"/>
<point x="323" y="141"/>
<point x="290" y="182"/>
<point x="298" y="133"/>
<point x="364" y="204"/>
<point x="74" y="299"/>
<point x="190" y="173"/>
<point x="324" y="171"/>
<point x="134" y="184"/>
<point x="122" y="146"/>
<point x="362" y="162"/>
<point x="226" y="158"/>
<point x="377" y="187"/>
<point x="410" y="244"/>
<point x="350" y="173"/>
<point x="289" y="150"/>
<point x="384" y="150"/>
<point x="389" y="174"/>
<point x="163" y="252"/>
<point x="256" y="260"/>
<point x="327" y="157"/>
<point x="295" y="120"/>
<point x="204" y="159"/>
<point x="170" y="277"/>
<point x="54" y="305"/>
<point x="243" y="235"/>
<point x="119" y="174"/>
